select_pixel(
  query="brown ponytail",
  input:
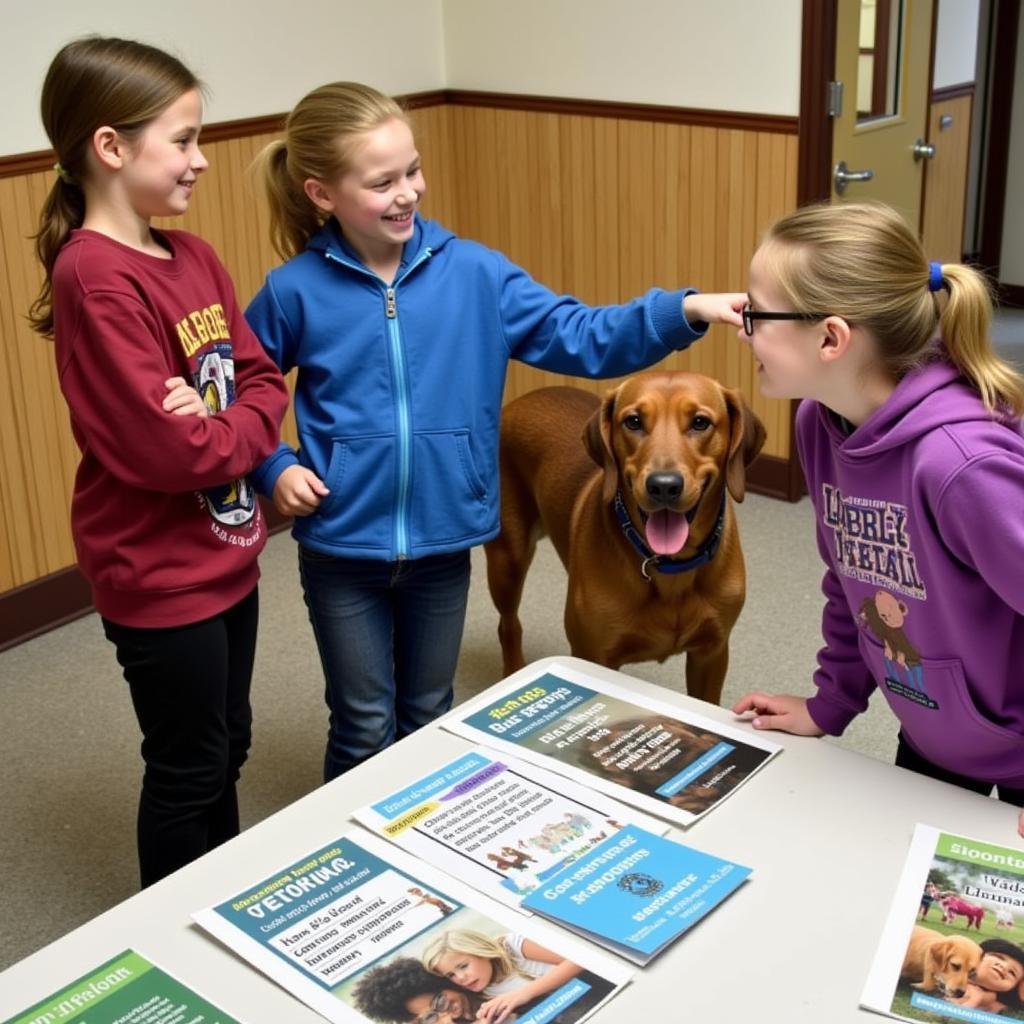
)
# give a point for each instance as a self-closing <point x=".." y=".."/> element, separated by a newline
<point x="63" y="211"/>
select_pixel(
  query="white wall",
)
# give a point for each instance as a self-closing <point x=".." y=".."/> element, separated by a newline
<point x="1011" y="263"/>
<point x="724" y="55"/>
<point x="256" y="58"/>
<point x="261" y="56"/>
<point x="956" y="42"/>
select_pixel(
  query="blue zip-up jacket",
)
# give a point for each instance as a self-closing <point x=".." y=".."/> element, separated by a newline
<point x="399" y="388"/>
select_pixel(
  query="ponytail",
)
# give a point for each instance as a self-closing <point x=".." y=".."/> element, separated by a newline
<point x="293" y="218"/>
<point x="966" y="323"/>
<point x="62" y="212"/>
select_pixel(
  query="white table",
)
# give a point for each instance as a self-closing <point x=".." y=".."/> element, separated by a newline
<point x="825" y="831"/>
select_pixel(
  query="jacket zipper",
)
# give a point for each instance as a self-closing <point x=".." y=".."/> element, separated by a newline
<point x="404" y="429"/>
<point x="402" y="398"/>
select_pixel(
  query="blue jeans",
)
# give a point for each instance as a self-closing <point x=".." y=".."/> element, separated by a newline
<point x="388" y="635"/>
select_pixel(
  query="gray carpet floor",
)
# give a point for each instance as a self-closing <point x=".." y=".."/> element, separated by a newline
<point x="70" y="742"/>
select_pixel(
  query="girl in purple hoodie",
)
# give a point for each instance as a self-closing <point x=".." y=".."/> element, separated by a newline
<point x="910" y="440"/>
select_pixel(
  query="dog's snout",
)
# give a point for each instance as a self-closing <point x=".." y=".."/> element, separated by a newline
<point x="664" y="488"/>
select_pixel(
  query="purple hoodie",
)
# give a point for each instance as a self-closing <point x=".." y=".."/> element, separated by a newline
<point x="920" y="520"/>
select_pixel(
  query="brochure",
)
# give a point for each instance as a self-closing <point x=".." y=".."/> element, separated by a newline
<point x="953" y="945"/>
<point x="500" y="824"/>
<point x="637" y="892"/>
<point x="128" y="989"/>
<point x="360" y="931"/>
<point x="666" y="761"/>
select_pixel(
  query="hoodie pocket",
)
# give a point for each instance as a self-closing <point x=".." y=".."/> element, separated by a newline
<point x="450" y="495"/>
<point x="361" y="478"/>
<point x="938" y="715"/>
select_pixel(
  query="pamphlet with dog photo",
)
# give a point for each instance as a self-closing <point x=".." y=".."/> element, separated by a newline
<point x="953" y="945"/>
<point x="498" y="823"/>
<point x="666" y="761"/>
<point x="360" y="931"/>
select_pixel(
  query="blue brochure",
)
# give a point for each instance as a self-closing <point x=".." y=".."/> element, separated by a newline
<point x="637" y="892"/>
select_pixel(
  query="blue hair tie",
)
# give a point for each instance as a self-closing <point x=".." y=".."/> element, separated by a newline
<point x="935" y="281"/>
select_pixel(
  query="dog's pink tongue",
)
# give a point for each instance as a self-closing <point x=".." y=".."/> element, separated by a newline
<point x="667" y="532"/>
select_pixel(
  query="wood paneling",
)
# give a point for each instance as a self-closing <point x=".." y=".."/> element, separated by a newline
<point x="598" y="206"/>
<point x="605" y="208"/>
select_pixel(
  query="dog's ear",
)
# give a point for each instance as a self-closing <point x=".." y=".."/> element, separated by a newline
<point x="746" y="439"/>
<point x="597" y="438"/>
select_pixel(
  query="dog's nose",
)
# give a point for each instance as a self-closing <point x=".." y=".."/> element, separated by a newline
<point x="664" y="488"/>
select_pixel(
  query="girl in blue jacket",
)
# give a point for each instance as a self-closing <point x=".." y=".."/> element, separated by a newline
<point x="402" y="334"/>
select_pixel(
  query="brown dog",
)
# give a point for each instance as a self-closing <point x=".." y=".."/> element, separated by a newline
<point x="936" y="961"/>
<point x="670" y="448"/>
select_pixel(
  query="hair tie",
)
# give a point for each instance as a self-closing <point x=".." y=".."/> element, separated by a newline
<point x="935" y="281"/>
<point x="63" y="174"/>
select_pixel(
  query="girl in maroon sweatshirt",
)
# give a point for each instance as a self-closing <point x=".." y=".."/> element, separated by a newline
<point x="172" y="403"/>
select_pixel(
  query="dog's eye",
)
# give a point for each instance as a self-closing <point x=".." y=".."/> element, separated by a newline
<point x="633" y="422"/>
<point x="700" y="424"/>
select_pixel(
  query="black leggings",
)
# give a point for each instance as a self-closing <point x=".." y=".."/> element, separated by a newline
<point x="190" y="689"/>
<point x="907" y="757"/>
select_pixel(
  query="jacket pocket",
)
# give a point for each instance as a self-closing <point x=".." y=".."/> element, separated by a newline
<point x="361" y="479"/>
<point x="450" y="493"/>
<point x="939" y="718"/>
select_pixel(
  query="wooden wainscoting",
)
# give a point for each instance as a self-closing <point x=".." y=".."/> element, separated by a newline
<point x="607" y="207"/>
<point x="599" y="200"/>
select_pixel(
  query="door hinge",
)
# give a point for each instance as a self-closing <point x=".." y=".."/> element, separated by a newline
<point x="834" y="99"/>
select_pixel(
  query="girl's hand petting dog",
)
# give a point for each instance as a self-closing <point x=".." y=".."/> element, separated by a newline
<point x="780" y="711"/>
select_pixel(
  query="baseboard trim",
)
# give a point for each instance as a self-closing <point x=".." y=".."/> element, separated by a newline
<point x="42" y="605"/>
<point x="776" y="478"/>
<point x="35" y="608"/>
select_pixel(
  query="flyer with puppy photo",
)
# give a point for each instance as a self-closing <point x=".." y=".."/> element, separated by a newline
<point x="662" y="759"/>
<point x="953" y="946"/>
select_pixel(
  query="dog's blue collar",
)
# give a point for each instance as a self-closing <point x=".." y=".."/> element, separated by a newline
<point x="665" y="563"/>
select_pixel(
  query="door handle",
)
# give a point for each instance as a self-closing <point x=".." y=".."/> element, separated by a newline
<point x="923" y="150"/>
<point x="843" y="176"/>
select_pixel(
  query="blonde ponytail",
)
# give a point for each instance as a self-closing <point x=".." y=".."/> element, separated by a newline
<point x="966" y="324"/>
<point x="293" y="218"/>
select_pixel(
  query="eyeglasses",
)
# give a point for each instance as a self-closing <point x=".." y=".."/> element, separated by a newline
<point x="438" y="1005"/>
<point x="750" y="315"/>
